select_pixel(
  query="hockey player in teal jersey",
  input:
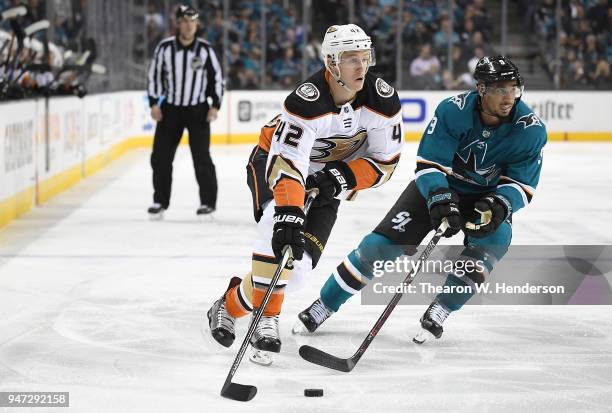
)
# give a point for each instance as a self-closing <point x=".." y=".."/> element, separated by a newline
<point x="478" y="163"/>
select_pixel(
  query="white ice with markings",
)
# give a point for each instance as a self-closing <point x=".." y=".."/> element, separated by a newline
<point x="98" y="301"/>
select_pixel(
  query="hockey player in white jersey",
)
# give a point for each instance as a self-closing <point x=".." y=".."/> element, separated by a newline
<point x="340" y="131"/>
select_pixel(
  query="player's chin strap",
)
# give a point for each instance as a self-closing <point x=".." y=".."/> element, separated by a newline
<point x="485" y="219"/>
<point x="339" y="79"/>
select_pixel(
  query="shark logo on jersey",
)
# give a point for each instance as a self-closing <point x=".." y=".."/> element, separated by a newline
<point x="466" y="168"/>
<point x="337" y="147"/>
<point x="383" y="88"/>
<point x="401" y="219"/>
<point x="308" y="91"/>
<point x="196" y="63"/>
<point x="459" y="100"/>
<point x="529" y="120"/>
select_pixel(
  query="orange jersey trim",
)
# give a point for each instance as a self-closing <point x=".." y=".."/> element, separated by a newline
<point x="364" y="172"/>
<point x="265" y="137"/>
<point x="289" y="192"/>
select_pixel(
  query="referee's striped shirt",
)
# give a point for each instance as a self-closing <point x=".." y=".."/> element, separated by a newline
<point x="185" y="75"/>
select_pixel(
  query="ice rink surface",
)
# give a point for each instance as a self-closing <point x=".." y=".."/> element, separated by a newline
<point x="98" y="301"/>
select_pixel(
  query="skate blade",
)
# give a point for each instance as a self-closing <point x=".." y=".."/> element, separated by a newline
<point x="156" y="217"/>
<point x="263" y="358"/>
<point x="422" y="336"/>
<point x="206" y="218"/>
<point x="299" y="328"/>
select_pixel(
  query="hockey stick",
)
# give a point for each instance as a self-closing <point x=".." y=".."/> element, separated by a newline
<point x="13" y="12"/>
<point x="245" y="392"/>
<point x="316" y="356"/>
<point x="36" y="27"/>
<point x="24" y="35"/>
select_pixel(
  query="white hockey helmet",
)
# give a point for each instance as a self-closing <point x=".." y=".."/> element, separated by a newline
<point x="343" y="38"/>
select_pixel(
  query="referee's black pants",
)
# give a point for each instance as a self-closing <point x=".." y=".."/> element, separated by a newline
<point x="168" y="134"/>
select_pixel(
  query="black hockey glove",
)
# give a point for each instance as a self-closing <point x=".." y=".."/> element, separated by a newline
<point x="334" y="178"/>
<point x="444" y="203"/>
<point x="288" y="229"/>
<point x="493" y="209"/>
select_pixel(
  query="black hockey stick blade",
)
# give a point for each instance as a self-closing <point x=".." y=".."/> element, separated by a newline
<point x="238" y="392"/>
<point x="316" y="356"/>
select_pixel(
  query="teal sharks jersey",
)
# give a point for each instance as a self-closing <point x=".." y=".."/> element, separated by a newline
<point x="458" y="151"/>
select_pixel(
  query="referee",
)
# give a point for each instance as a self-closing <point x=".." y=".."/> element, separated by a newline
<point x="183" y="75"/>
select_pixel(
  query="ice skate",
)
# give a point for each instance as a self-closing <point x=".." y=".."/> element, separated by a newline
<point x="220" y="322"/>
<point x="431" y="323"/>
<point x="205" y="213"/>
<point x="156" y="212"/>
<point x="311" y="318"/>
<point x="265" y="340"/>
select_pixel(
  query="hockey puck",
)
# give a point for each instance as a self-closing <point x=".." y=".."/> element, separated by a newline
<point x="313" y="392"/>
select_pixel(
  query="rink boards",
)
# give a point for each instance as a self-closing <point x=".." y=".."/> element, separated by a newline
<point x="49" y="145"/>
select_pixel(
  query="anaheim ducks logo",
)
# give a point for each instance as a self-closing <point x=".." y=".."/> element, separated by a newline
<point x="332" y="29"/>
<point x="308" y="91"/>
<point x="383" y="88"/>
<point x="337" y="147"/>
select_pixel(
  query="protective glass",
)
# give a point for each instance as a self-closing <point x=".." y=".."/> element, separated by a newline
<point x="355" y="62"/>
<point x="515" y="91"/>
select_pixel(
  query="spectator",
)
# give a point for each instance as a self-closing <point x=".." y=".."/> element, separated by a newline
<point x="313" y="56"/>
<point x="419" y="36"/>
<point x="285" y="69"/>
<point x="214" y="32"/>
<point x="425" y="69"/>
<point x="478" y="41"/>
<point x="234" y="54"/>
<point x="445" y="36"/>
<point x="596" y="67"/>
<point x="467" y="31"/>
<point x="251" y="82"/>
<point x="482" y="17"/>
<point x="598" y="15"/>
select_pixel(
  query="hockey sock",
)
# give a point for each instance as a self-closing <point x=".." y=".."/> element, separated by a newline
<point x="263" y="269"/>
<point x="357" y="269"/>
<point x="461" y="293"/>
<point x="238" y="298"/>
<point x="462" y="288"/>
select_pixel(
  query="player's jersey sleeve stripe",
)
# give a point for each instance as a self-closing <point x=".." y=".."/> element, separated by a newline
<point x="520" y="190"/>
<point x="370" y="172"/>
<point x="529" y="190"/>
<point x="423" y="163"/>
<point x="422" y="172"/>
<point x="281" y="166"/>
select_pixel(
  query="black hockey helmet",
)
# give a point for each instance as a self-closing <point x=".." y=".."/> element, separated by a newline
<point x="491" y="69"/>
<point x="185" y="10"/>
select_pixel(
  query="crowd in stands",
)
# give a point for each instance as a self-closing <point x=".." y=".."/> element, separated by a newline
<point x="585" y="40"/>
<point x="427" y="33"/>
<point x="281" y="65"/>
